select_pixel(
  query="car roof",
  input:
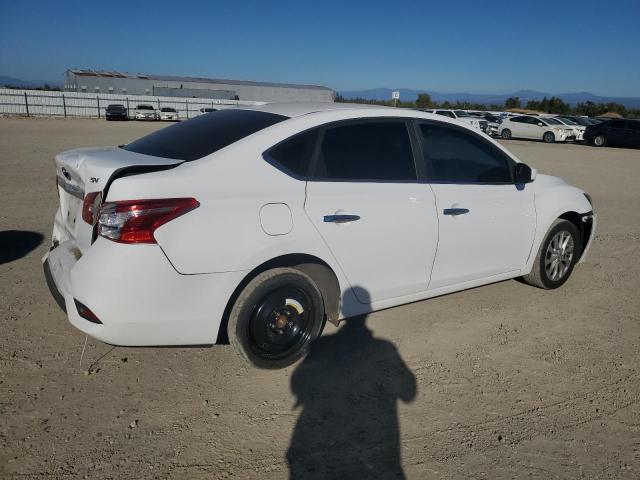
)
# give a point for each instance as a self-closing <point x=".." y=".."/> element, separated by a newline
<point x="297" y="109"/>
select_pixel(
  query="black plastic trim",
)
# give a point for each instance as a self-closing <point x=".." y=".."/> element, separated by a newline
<point x="53" y="288"/>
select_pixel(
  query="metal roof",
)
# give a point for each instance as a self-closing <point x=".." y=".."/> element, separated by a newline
<point x="296" y="109"/>
<point x="172" y="78"/>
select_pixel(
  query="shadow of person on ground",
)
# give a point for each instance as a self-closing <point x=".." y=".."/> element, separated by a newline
<point x="15" y="244"/>
<point x="348" y="388"/>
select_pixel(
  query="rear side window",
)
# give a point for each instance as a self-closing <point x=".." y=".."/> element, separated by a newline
<point x="293" y="155"/>
<point x="618" y="124"/>
<point x="455" y="156"/>
<point x="633" y="125"/>
<point x="203" y="135"/>
<point x="376" y="151"/>
<point x="446" y="113"/>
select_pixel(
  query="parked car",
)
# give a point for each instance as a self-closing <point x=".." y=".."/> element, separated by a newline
<point x="493" y="123"/>
<point x="622" y="133"/>
<point x="169" y="113"/>
<point x="208" y="110"/>
<point x="146" y="112"/>
<point x="262" y="223"/>
<point x="577" y="129"/>
<point x="463" y="116"/>
<point x="116" y="112"/>
<point x="538" y="128"/>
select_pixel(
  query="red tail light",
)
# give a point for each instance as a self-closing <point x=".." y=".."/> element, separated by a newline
<point x="135" y="221"/>
<point x="90" y="206"/>
<point x="85" y="313"/>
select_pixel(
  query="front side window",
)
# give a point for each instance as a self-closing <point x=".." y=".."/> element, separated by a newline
<point x="375" y="151"/>
<point x="453" y="155"/>
<point x="519" y="119"/>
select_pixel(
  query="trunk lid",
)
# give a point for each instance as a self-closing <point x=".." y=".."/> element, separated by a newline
<point x="86" y="170"/>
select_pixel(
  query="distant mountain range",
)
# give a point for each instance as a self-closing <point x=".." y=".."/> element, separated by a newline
<point x="5" y="80"/>
<point x="407" y="94"/>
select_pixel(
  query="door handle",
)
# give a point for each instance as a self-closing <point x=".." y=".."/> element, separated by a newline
<point x="341" y="218"/>
<point x="455" y="211"/>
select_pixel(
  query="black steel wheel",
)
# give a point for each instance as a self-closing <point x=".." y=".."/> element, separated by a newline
<point x="276" y="318"/>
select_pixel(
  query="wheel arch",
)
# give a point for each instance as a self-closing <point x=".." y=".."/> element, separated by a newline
<point x="316" y="268"/>
<point x="584" y="226"/>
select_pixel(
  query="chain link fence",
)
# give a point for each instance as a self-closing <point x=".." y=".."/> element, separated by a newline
<point x="85" y="105"/>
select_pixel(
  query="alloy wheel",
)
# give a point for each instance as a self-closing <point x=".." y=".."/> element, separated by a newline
<point x="559" y="255"/>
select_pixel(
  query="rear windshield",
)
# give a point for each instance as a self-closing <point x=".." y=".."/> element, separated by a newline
<point x="203" y="135"/>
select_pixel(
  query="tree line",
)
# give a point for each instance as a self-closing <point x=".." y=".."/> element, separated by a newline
<point x="554" y="105"/>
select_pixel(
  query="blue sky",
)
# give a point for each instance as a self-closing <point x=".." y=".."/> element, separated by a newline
<point x="447" y="46"/>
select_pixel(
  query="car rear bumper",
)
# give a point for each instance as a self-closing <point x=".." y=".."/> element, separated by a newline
<point x="137" y="294"/>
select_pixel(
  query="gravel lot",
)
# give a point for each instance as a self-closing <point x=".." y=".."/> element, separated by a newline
<point x="502" y="381"/>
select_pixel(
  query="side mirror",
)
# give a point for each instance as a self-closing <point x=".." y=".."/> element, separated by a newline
<point x="540" y="124"/>
<point x="524" y="173"/>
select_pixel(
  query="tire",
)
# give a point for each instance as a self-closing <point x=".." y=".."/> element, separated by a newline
<point x="506" y="134"/>
<point x="599" y="140"/>
<point x="542" y="273"/>
<point x="276" y="318"/>
<point x="548" y="137"/>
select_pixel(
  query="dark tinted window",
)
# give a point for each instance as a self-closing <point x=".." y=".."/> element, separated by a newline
<point x="446" y="113"/>
<point x="367" y="151"/>
<point x="293" y="156"/>
<point x="144" y="107"/>
<point x="519" y="119"/>
<point x="618" y="124"/>
<point x="167" y="109"/>
<point x="634" y="125"/>
<point x="204" y="134"/>
<point x="455" y="156"/>
<point x="115" y="107"/>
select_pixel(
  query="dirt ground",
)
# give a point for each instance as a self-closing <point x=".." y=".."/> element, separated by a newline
<point x="503" y="381"/>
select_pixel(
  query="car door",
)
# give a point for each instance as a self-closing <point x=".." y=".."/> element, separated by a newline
<point x="486" y="222"/>
<point x="518" y="126"/>
<point x="618" y="133"/>
<point x="364" y="199"/>
<point x="633" y="127"/>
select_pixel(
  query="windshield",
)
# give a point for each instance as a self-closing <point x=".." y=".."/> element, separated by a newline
<point x="461" y="113"/>
<point x="144" y="107"/>
<point x="115" y="107"/>
<point x="203" y="135"/>
<point x="167" y="109"/>
<point x="583" y="121"/>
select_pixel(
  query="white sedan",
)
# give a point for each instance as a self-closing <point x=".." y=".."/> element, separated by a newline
<point x="548" y="130"/>
<point x="262" y="223"/>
